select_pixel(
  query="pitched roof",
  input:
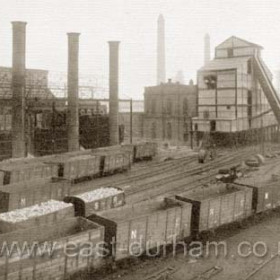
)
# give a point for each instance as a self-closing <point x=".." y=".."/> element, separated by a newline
<point x="234" y="41"/>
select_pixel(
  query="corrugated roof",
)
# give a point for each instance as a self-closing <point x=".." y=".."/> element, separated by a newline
<point x="225" y="63"/>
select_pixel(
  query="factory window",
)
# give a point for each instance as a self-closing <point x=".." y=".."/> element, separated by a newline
<point x="39" y="120"/>
<point x="210" y="81"/>
<point x="2" y="122"/>
<point x="185" y="106"/>
<point x="169" y="131"/>
<point x="230" y="52"/>
<point x="153" y="107"/>
<point x="154" y="134"/>
<point x="249" y="102"/>
<point x="249" y="67"/>
<point x="169" y="106"/>
<point x="206" y="114"/>
<point x="8" y="122"/>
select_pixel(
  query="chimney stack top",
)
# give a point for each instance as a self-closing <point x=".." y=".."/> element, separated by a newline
<point x="73" y="34"/>
<point x="113" y="42"/>
<point x="19" y="22"/>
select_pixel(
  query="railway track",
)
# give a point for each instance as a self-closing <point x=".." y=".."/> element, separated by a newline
<point x="182" y="172"/>
<point x="164" y="177"/>
<point x="181" y="182"/>
<point x="135" y="176"/>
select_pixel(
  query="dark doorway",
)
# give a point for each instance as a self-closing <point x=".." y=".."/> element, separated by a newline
<point x="212" y="125"/>
<point x="121" y="133"/>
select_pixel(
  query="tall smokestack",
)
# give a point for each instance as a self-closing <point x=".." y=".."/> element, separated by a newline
<point x="73" y="91"/>
<point x="114" y="91"/>
<point x="18" y="88"/>
<point x="206" y="48"/>
<point x="161" y="50"/>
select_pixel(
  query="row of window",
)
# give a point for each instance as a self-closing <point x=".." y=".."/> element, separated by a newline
<point x="5" y="122"/>
<point x="152" y="106"/>
<point x="169" y="132"/>
<point x="224" y="79"/>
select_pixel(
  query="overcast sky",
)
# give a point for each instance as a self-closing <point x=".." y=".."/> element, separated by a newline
<point x="134" y="23"/>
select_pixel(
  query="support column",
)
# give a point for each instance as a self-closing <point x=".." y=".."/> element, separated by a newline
<point x="114" y="91"/>
<point x="73" y="92"/>
<point x="18" y="89"/>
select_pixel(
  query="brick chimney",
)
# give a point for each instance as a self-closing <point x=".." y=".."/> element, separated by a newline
<point x="18" y="89"/>
<point x="114" y="91"/>
<point x="73" y="92"/>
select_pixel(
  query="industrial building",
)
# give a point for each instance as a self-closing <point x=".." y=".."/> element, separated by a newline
<point x="235" y="92"/>
<point x="169" y="108"/>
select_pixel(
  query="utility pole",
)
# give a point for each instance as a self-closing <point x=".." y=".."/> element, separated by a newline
<point x="262" y="136"/>
<point x="191" y="130"/>
<point x="53" y="127"/>
<point x="131" y="120"/>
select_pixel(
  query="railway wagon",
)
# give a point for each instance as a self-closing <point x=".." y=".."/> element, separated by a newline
<point x="76" y="167"/>
<point x="123" y="148"/>
<point x="28" y="193"/>
<point x="266" y="191"/>
<point x="114" y="162"/>
<point x="25" y="170"/>
<point x="147" y="225"/>
<point x="100" y="199"/>
<point x="66" y="244"/>
<point x="217" y="205"/>
<point x="45" y="213"/>
<point x="144" y="150"/>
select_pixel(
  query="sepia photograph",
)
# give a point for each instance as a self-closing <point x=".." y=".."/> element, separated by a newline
<point x="140" y="140"/>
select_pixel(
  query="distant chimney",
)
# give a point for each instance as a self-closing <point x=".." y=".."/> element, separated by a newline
<point x="191" y="82"/>
<point x="169" y="81"/>
<point x="73" y="91"/>
<point x="161" y="50"/>
<point x="180" y="77"/>
<point x="18" y="88"/>
<point x="114" y="91"/>
<point x="206" y="48"/>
